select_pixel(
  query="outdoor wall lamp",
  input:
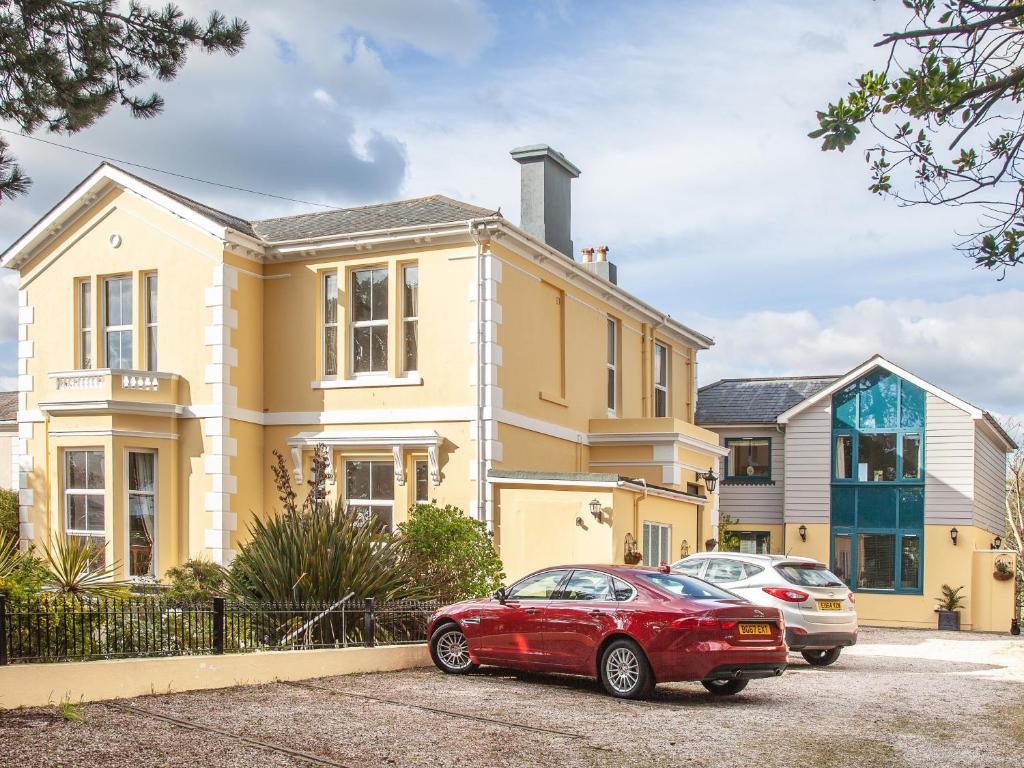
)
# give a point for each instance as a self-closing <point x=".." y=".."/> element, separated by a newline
<point x="802" y="530"/>
<point x="595" y="509"/>
<point x="997" y="542"/>
<point x="953" y="533"/>
<point x="710" y="480"/>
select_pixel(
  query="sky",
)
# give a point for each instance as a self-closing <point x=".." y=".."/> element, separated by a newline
<point x="689" y="121"/>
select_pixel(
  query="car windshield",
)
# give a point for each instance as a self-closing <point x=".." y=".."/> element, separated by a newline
<point x="686" y="586"/>
<point x="811" y="575"/>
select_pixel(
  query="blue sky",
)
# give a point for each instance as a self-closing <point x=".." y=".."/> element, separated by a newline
<point x="688" y="120"/>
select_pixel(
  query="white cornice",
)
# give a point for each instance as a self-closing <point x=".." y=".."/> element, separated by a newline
<point x="657" y="438"/>
<point x="88" y="407"/>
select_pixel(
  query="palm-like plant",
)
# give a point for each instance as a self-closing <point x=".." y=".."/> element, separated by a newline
<point x="75" y="572"/>
<point x="9" y="555"/>
<point x="951" y="599"/>
<point x="319" y="556"/>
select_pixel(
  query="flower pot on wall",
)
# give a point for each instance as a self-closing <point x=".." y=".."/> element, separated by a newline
<point x="632" y="558"/>
<point x="949" y="620"/>
<point x="1002" y="575"/>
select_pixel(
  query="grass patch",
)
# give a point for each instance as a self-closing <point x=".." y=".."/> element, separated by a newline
<point x="70" y="712"/>
<point x="932" y="728"/>
<point x="851" y="753"/>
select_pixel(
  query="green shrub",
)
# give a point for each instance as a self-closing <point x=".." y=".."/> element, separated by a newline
<point x="319" y="556"/>
<point x="196" y="580"/>
<point x="9" y="512"/>
<point x="452" y="555"/>
<point x="26" y="579"/>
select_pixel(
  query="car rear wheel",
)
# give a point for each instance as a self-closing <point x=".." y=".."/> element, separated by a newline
<point x="724" y="687"/>
<point x="625" y="672"/>
<point x="450" y="651"/>
<point x="822" y="658"/>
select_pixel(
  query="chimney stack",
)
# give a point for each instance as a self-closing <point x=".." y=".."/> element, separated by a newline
<point x="545" y="195"/>
<point x="600" y="266"/>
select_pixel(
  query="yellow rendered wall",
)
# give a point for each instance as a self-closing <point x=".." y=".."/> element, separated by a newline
<point x="535" y="527"/>
<point x="632" y="510"/>
<point x="572" y="373"/>
<point x="37" y="685"/>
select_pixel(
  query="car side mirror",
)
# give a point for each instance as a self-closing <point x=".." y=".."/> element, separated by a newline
<point x="500" y="595"/>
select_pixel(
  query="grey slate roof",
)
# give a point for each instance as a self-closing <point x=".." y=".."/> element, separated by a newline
<point x="434" y="209"/>
<point x="754" y="401"/>
<point x="8" y="406"/>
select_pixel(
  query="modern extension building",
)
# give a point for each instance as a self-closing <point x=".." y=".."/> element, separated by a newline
<point x="898" y="484"/>
<point x="167" y="349"/>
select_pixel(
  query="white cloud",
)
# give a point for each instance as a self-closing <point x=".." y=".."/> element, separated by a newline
<point x="968" y="346"/>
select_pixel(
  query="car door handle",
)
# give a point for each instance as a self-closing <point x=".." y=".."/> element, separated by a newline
<point x="531" y="611"/>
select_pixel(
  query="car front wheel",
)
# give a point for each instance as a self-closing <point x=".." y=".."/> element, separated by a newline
<point x="625" y="672"/>
<point x="823" y="657"/>
<point x="449" y="650"/>
<point x="724" y="687"/>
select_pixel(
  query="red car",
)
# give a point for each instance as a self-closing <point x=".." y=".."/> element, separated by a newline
<point x="631" y="627"/>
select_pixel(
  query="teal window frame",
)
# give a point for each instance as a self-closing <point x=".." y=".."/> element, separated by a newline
<point x="899" y="530"/>
<point x="731" y="478"/>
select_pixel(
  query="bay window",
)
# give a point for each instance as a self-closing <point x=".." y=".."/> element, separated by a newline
<point x="370" y="490"/>
<point x="141" y="513"/>
<point x="370" y="321"/>
<point x="410" y="316"/>
<point x="151" y="322"/>
<point x="660" y="380"/>
<point x="330" y="323"/>
<point x="85" y="500"/>
<point x="117" y="322"/>
<point x="85" y="324"/>
<point x="613" y="356"/>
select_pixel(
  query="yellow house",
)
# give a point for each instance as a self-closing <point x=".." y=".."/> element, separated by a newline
<point x="896" y="483"/>
<point x="167" y="350"/>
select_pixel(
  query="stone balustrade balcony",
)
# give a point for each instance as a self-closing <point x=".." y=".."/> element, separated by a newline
<point x="109" y="389"/>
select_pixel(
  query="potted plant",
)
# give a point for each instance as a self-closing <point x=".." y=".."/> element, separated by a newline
<point x="949" y="606"/>
<point x="1003" y="571"/>
<point x="631" y="554"/>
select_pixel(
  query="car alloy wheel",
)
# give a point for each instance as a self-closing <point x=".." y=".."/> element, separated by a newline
<point x="453" y="650"/>
<point x="622" y="670"/>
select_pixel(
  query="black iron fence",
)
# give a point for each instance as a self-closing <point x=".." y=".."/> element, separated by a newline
<point x="51" y="628"/>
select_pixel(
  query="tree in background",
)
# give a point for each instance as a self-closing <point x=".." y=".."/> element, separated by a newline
<point x="727" y="540"/>
<point x="1015" y="506"/>
<point x="64" y="63"/>
<point x="452" y="555"/>
<point x="947" y="118"/>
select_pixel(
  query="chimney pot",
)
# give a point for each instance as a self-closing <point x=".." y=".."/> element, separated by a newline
<point x="602" y="253"/>
<point x="588" y="255"/>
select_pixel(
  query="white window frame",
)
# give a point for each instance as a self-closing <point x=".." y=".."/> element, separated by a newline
<point x="68" y="491"/>
<point x="371" y="502"/>
<point x="410" y="320"/>
<point x="108" y="329"/>
<point x="416" y="465"/>
<point x="151" y="318"/>
<point x="659" y="385"/>
<point x="612" y="364"/>
<point x="128" y="493"/>
<point x="354" y="324"/>
<point x="664" y="543"/>
<point x="326" y="277"/>
<point x="85" y="324"/>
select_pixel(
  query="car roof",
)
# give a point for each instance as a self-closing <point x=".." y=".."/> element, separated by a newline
<point x="751" y="558"/>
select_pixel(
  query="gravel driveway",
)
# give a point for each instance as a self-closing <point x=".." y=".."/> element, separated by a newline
<point x="899" y="698"/>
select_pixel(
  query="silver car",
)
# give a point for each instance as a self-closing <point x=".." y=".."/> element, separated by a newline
<point x="818" y="607"/>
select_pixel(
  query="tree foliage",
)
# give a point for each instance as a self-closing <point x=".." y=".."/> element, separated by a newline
<point x="195" y="580"/>
<point x="9" y="513"/>
<point x="727" y="540"/>
<point x="452" y="555"/>
<point x="64" y="63"/>
<point x="947" y="118"/>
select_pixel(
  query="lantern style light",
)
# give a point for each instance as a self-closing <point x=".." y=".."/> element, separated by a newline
<point x="710" y="480"/>
<point x="953" y="533"/>
<point x="997" y="542"/>
<point x="802" y="530"/>
<point x="595" y="509"/>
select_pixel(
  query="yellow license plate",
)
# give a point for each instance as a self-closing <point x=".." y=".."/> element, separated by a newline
<point x="830" y="605"/>
<point x="756" y="630"/>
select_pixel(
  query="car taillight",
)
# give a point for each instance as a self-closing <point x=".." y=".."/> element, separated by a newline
<point x="784" y="593"/>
